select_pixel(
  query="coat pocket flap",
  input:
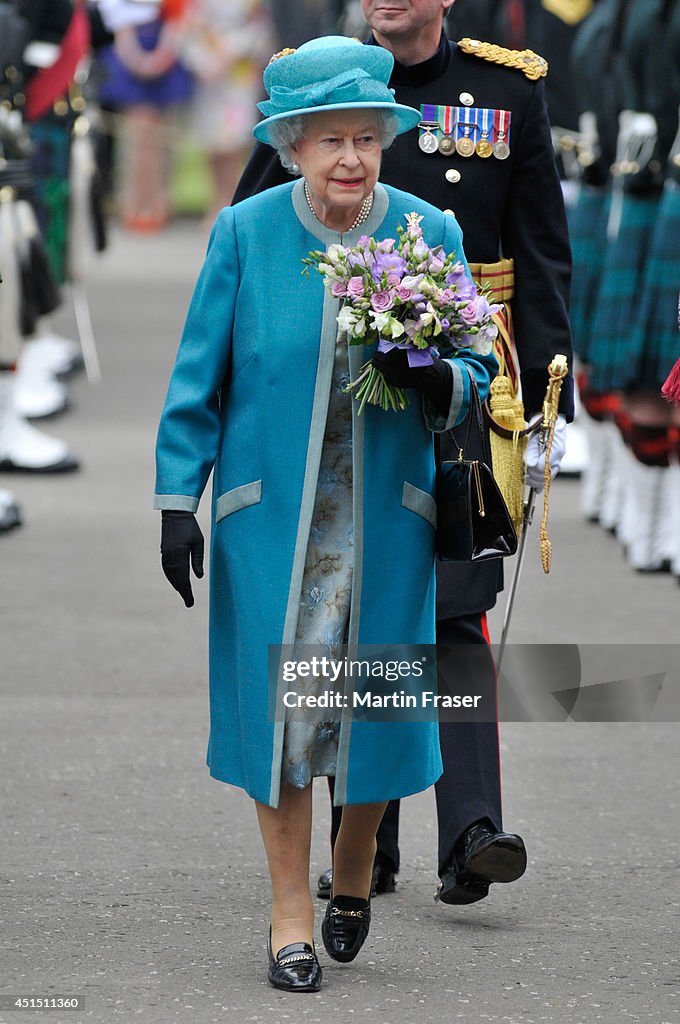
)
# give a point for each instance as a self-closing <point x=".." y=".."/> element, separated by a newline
<point x="420" y="502"/>
<point x="238" y="498"/>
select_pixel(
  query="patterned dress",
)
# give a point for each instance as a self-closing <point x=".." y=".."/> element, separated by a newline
<point x="311" y="737"/>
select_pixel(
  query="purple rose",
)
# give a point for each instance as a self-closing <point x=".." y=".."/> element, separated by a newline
<point x="339" y="289"/>
<point x="355" y="287"/>
<point x="403" y="293"/>
<point x="468" y="314"/>
<point x="382" y="301"/>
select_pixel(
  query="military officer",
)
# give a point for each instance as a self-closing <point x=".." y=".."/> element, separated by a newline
<point x="483" y="150"/>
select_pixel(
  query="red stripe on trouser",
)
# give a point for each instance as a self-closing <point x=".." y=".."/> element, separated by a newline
<point x="485" y="633"/>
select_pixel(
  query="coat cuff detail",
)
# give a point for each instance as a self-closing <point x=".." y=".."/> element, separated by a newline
<point x="176" y="502"/>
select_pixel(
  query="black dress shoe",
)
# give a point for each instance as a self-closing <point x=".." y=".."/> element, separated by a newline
<point x="295" y="968"/>
<point x="491" y="856"/>
<point x="324" y="884"/>
<point x="459" y="890"/>
<point x="482" y="856"/>
<point x="384" y="880"/>
<point x="345" y="927"/>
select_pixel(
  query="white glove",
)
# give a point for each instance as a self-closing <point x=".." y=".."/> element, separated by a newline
<point x="535" y="452"/>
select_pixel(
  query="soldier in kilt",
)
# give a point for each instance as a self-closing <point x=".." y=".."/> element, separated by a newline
<point x="627" y="352"/>
<point x="594" y="58"/>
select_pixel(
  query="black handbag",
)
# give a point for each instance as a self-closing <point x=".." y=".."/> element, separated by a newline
<point x="473" y="522"/>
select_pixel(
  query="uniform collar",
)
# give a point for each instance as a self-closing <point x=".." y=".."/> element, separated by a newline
<point x="425" y="72"/>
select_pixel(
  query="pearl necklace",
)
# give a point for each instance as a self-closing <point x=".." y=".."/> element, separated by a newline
<point x="364" y="210"/>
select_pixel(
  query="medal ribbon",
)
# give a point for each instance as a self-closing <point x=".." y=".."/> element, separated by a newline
<point x="464" y="116"/>
<point x="428" y="113"/>
<point x="501" y="124"/>
<point x="485" y="115"/>
<point x="446" y="119"/>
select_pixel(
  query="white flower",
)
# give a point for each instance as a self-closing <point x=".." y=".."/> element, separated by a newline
<point x="347" y="318"/>
<point x="336" y="253"/>
<point x="387" y="325"/>
<point x="332" y="273"/>
<point x="483" y="342"/>
<point x="380" y="321"/>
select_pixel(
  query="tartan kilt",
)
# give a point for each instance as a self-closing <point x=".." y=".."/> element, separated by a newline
<point x="51" y="137"/>
<point x="618" y="296"/>
<point x="655" y="343"/>
<point x="588" y="236"/>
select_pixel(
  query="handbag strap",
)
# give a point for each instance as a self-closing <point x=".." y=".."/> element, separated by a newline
<point x="504" y="432"/>
<point x="475" y="416"/>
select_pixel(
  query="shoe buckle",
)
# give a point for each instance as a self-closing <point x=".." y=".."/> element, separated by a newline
<point x="337" y="912"/>
<point x="294" y="959"/>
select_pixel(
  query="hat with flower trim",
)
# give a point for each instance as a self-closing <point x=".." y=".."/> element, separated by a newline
<point x="330" y="73"/>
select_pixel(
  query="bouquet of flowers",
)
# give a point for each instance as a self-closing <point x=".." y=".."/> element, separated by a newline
<point x="402" y="294"/>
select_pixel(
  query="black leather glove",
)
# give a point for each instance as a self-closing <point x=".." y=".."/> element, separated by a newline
<point x="435" y="381"/>
<point x="181" y="542"/>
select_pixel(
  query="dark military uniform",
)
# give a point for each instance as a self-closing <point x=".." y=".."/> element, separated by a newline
<point x="508" y="207"/>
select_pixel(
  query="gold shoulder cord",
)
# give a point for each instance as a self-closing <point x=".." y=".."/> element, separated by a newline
<point x="530" y="63"/>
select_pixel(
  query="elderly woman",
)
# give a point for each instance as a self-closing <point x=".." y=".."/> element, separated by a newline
<point x="322" y="519"/>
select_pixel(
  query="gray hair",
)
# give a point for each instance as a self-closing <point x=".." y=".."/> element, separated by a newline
<point x="289" y="130"/>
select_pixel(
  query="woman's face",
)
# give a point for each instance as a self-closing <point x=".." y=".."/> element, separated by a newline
<point x="339" y="157"/>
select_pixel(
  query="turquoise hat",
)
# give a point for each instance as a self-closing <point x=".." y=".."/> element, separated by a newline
<point x="330" y="73"/>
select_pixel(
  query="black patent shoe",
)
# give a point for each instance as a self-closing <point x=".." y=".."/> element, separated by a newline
<point x="295" y="967"/>
<point x="345" y="927"/>
<point x="482" y="856"/>
<point x="459" y="890"/>
<point x="491" y="856"/>
<point x="384" y="880"/>
<point x="324" y="884"/>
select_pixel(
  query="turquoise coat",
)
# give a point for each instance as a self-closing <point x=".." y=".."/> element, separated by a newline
<point x="247" y="399"/>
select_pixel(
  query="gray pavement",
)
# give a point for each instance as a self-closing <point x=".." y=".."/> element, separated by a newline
<point x="131" y="878"/>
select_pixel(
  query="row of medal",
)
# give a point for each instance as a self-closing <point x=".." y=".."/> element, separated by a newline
<point x="464" y="130"/>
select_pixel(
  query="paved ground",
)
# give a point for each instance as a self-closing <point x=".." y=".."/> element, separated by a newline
<point x="131" y="878"/>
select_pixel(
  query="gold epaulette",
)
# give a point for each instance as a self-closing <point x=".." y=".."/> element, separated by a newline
<point x="533" y="66"/>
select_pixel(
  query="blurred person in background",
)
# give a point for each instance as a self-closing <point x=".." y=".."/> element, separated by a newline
<point x="225" y="46"/>
<point x="145" y="80"/>
<point x="58" y="38"/>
